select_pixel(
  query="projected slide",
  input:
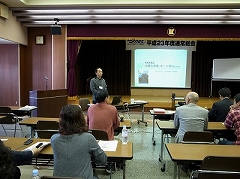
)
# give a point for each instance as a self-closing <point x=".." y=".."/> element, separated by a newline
<point x="160" y="68"/>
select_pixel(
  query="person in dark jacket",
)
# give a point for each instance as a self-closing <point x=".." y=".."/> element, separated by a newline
<point x="221" y="108"/>
<point x="10" y="159"/>
<point x="97" y="83"/>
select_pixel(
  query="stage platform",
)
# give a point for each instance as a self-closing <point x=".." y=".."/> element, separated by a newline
<point x="153" y="101"/>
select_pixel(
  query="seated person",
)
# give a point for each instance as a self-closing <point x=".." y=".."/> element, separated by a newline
<point x="220" y="108"/>
<point x="233" y="120"/>
<point x="103" y="116"/>
<point x="190" y="117"/>
<point x="74" y="148"/>
<point x="10" y="159"/>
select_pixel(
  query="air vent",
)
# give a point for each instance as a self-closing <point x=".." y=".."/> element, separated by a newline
<point x="3" y="11"/>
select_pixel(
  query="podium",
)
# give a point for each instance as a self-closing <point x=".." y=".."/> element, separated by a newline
<point x="48" y="102"/>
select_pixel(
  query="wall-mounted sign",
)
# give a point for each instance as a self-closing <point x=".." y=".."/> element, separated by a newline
<point x="171" y="31"/>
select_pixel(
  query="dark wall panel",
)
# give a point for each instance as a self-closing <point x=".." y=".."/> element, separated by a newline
<point x="40" y="57"/>
<point x="25" y="66"/>
<point x="9" y="91"/>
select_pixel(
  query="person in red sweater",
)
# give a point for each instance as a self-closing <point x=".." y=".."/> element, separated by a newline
<point x="103" y="116"/>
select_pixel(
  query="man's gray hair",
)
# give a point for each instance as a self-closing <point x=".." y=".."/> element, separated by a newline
<point x="193" y="96"/>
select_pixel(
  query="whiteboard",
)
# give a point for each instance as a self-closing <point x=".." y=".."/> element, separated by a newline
<point x="226" y="69"/>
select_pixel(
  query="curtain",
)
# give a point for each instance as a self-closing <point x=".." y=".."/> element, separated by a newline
<point x="115" y="61"/>
<point x="202" y="65"/>
<point x="72" y="53"/>
<point x="112" y="57"/>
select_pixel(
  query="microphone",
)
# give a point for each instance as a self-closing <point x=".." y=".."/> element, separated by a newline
<point x="46" y="78"/>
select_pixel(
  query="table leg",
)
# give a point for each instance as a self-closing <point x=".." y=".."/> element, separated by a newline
<point x="174" y="170"/>
<point x="32" y="131"/>
<point x="161" y="152"/>
<point x="162" y="143"/>
<point x="30" y="113"/>
<point x="153" y="139"/>
<point x="178" y="171"/>
<point x="142" y="106"/>
<point x="124" y="171"/>
<point x="161" y="148"/>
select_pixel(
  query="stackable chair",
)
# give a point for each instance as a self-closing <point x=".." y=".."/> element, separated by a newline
<point x="166" y="117"/>
<point x="99" y="134"/>
<point x="218" y="167"/>
<point x="198" y="137"/>
<point x="9" y="118"/>
<point x="102" y="135"/>
<point x="45" y="129"/>
<point x="84" y="103"/>
<point x="219" y="175"/>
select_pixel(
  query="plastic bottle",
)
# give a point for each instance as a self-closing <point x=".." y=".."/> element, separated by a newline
<point x="35" y="174"/>
<point x="124" y="135"/>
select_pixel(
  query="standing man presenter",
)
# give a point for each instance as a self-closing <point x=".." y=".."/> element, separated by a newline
<point x="97" y="83"/>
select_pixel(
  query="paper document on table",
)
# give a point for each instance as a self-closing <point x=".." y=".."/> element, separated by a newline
<point x="170" y="112"/>
<point x="34" y="145"/>
<point x="27" y="108"/>
<point x="159" y="110"/>
<point x="109" y="145"/>
<point x="4" y="139"/>
<point x="139" y="101"/>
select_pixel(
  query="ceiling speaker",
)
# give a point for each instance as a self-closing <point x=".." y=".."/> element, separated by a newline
<point x="56" y="29"/>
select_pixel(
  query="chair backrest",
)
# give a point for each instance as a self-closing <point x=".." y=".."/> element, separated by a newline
<point x="221" y="163"/>
<point x="198" y="137"/>
<point x="99" y="134"/>
<point x="165" y="117"/>
<point x="45" y="129"/>
<point x="5" y="109"/>
<point x="181" y="103"/>
<point x="84" y="103"/>
<point x="218" y="175"/>
<point x="53" y="177"/>
<point x="9" y="116"/>
<point x="116" y="100"/>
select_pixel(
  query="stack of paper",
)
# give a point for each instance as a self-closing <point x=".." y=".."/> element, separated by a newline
<point x="139" y="101"/>
<point x="4" y="139"/>
<point x="159" y="110"/>
<point x="34" y="145"/>
<point x="109" y="145"/>
<point x="27" y="108"/>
